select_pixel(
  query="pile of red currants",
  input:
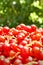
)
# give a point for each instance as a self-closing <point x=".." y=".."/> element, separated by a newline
<point x="22" y="45"/>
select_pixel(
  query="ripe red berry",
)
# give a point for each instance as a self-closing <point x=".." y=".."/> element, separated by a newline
<point x="33" y="27"/>
<point x="5" y="30"/>
<point x="42" y="40"/>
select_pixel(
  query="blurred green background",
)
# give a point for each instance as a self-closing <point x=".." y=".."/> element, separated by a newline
<point x="14" y="12"/>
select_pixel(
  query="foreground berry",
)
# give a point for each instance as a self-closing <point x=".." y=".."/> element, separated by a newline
<point x="22" y="45"/>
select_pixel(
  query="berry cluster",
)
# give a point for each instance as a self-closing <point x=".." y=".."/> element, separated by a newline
<point x="22" y="45"/>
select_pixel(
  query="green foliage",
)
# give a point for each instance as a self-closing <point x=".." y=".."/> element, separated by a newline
<point x="14" y="12"/>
